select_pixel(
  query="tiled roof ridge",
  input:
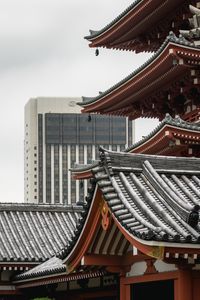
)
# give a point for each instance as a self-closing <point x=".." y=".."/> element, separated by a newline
<point x="186" y="211"/>
<point x="51" y="266"/>
<point x="121" y="160"/>
<point x="79" y="225"/>
<point x="35" y="235"/>
<point x="84" y="167"/>
<point x="166" y="212"/>
<point x="168" y="120"/>
<point x="171" y="38"/>
<point x="39" y="207"/>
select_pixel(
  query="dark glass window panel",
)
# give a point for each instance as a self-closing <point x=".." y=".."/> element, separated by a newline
<point x="73" y="191"/>
<point x="40" y="157"/>
<point x="73" y="181"/>
<point x="65" y="173"/>
<point x="130" y="132"/>
<point x="56" y="174"/>
<point x="81" y="191"/>
<point x="102" y="130"/>
<point x="48" y="174"/>
<point x="53" y="126"/>
<point x="89" y="154"/>
<point x="69" y="128"/>
<point x="85" y="130"/>
<point x="97" y="152"/>
<point x="118" y="127"/>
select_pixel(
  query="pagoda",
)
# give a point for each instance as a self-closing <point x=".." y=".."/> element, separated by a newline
<point x="139" y="230"/>
<point x="167" y="83"/>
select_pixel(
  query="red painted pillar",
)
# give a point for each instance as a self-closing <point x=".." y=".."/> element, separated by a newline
<point x="185" y="285"/>
<point x="125" y="291"/>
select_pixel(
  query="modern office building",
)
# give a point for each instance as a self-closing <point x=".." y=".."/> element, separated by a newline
<point x="57" y="136"/>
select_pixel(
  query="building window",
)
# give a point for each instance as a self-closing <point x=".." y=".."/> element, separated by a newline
<point x="56" y="174"/>
<point x="48" y="174"/>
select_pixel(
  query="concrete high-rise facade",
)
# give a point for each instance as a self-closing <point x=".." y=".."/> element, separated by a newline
<point x="57" y="136"/>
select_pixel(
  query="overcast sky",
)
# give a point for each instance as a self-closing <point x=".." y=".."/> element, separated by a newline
<point x="43" y="53"/>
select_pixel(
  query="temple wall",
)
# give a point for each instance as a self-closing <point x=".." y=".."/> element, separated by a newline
<point x="139" y="268"/>
<point x="164" y="267"/>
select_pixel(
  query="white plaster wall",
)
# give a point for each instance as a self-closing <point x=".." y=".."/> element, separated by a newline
<point x="137" y="269"/>
<point x="164" y="267"/>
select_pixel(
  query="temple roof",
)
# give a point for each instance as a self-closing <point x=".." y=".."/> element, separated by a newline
<point x="172" y="136"/>
<point x="53" y="265"/>
<point x="141" y="191"/>
<point x="52" y="271"/>
<point x="142" y="26"/>
<point x="34" y="233"/>
<point x="153" y="201"/>
<point x="156" y="88"/>
<point x="154" y="198"/>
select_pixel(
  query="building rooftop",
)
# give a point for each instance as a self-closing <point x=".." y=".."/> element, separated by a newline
<point x="154" y="198"/>
<point x="34" y="233"/>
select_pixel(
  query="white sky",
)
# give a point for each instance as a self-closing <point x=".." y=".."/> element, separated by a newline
<point x="43" y="53"/>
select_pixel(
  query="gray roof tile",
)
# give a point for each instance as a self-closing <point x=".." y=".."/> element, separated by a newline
<point x="34" y="233"/>
<point x="153" y="197"/>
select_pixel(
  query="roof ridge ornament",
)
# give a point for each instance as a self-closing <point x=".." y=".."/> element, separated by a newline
<point x="168" y="117"/>
<point x="194" y="33"/>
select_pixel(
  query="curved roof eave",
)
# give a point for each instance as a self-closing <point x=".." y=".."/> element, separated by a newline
<point x="127" y="31"/>
<point x="168" y="120"/>
<point x="96" y="33"/>
<point x="171" y="39"/>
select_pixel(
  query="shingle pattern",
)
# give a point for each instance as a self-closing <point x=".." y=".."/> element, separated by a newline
<point x="34" y="233"/>
<point x="171" y="38"/>
<point x="53" y="265"/>
<point x="168" y="120"/>
<point x="153" y="197"/>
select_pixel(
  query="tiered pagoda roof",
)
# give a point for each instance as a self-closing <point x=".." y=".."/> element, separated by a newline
<point x="172" y="137"/>
<point x="143" y="26"/>
<point x="167" y="83"/>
